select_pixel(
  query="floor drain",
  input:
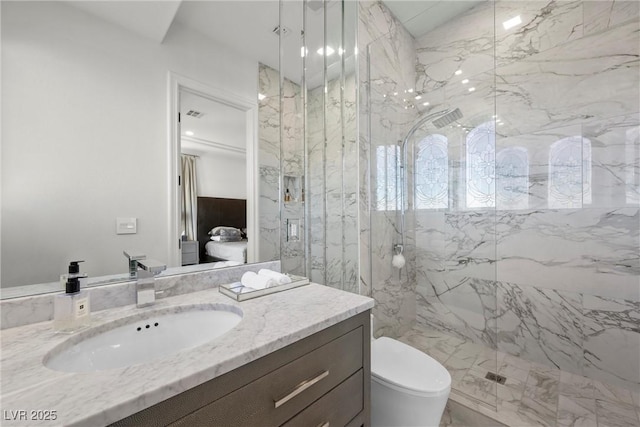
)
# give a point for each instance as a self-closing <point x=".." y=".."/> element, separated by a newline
<point x="495" y="377"/>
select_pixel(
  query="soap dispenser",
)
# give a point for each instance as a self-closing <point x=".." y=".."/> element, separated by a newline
<point x="71" y="310"/>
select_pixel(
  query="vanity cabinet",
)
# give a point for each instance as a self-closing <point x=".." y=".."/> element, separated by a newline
<point x="321" y="380"/>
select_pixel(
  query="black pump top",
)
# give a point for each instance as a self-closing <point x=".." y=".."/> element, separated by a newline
<point x="73" y="285"/>
<point x="73" y="281"/>
<point x="74" y="268"/>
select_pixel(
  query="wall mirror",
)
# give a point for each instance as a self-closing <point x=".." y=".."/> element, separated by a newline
<point x="90" y="91"/>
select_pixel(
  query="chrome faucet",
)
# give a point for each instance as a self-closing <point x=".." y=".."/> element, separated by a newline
<point x="133" y="257"/>
<point x="144" y="270"/>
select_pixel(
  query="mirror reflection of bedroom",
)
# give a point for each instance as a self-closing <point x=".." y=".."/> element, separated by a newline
<point x="213" y="183"/>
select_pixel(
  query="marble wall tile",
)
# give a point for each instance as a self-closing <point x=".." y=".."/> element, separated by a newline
<point x="333" y="173"/>
<point x="269" y="164"/>
<point x="540" y="325"/>
<point x="466" y="44"/>
<point x="612" y="341"/>
<point x="269" y="116"/>
<point x="603" y="14"/>
<point x="570" y="71"/>
<point x="592" y="251"/>
<point x="464" y="308"/>
<point x="281" y="154"/>
<point x="314" y="195"/>
<point x="545" y="25"/>
<point x="388" y="81"/>
<point x="615" y="160"/>
<point x="269" y="211"/>
<point x="470" y="244"/>
<point x="594" y="76"/>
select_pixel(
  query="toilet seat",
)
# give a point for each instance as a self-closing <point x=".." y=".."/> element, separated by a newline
<point x="406" y="369"/>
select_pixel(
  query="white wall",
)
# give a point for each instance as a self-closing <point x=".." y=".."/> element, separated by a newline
<point x="220" y="174"/>
<point x="84" y="136"/>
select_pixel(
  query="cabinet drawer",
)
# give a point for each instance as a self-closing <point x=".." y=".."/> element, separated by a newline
<point x="335" y="408"/>
<point x="189" y="247"/>
<point x="279" y="395"/>
<point x="188" y="259"/>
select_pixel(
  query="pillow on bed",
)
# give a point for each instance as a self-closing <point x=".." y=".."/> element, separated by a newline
<point x="226" y="238"/>
<point x="225" y="231"/>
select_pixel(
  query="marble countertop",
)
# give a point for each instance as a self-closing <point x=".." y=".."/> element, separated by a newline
<point x="100" y="398"/>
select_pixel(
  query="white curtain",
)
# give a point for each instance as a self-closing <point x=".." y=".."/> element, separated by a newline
<point x="189" y="197"/>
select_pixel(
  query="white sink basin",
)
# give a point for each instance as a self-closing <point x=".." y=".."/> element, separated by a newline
<point x="143" y="337"/>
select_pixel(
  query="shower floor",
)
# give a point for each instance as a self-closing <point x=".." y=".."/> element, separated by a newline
<point x="533" y="394"/>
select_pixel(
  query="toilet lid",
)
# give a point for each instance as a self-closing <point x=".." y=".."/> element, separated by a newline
<point x="405" y="367"/>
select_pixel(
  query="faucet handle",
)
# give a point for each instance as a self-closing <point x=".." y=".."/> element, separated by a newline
<point x="133" y="255"/>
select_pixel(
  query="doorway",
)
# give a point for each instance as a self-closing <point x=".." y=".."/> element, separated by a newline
<point x="214" y="140"/>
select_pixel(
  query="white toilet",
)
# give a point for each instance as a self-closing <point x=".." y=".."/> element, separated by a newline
<point x="408" y="387"/>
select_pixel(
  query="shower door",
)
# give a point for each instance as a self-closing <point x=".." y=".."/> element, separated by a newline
<point x="435" y="195"/>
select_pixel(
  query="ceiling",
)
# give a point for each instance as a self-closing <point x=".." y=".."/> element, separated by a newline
<point x="134" y="15"/>
<point x="219" y="127"/>
<point x="247" y="26"/>
<point x="420" y="17"/>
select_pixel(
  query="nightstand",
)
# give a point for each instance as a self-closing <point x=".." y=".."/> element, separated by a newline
<point x="190" y="253"/>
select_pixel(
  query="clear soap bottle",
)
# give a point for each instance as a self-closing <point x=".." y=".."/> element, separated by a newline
<point x="72" y="309"/>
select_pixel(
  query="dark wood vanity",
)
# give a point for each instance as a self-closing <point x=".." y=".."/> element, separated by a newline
<point x="322" y="380"/>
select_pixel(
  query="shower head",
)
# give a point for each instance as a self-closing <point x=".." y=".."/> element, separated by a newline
<point x="448" y="118"/>
<point x="444" y="117"/>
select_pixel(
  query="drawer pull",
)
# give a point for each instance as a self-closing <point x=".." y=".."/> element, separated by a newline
<point x="300" y="388"/>
<point x="324" y="424"/>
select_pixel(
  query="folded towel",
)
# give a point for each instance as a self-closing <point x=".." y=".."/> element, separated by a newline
<point x="281" y="279"/>
<point x="252" y="280"/>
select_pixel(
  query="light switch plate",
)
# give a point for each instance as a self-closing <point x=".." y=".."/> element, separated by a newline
<point x="126" y="225"/>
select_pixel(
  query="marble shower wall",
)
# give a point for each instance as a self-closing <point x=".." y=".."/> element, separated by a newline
<point x="333" y="171"/>
<point x="386" y="67"/>
<point x="281" y="152"/>
<point x="548" y="268"/>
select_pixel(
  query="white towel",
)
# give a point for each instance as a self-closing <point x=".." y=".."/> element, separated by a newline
<point x="281" y="279"/>
<point x="252" y="280"/>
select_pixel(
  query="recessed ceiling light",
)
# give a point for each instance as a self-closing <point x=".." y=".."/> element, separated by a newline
<point x="261" y="97"/>
<point x="510" y="23"/>
<point x="410" y="90"/>
<point x="395" y="93"/>
<point x="425" y="103"/>
<point x="188" y="133"/>
<point x="418" y="97"/>
<point x="458" y="72"/>
<point x="330" y="51"/>
<point x="465" y="81"/>
<point x="471" y="89"/>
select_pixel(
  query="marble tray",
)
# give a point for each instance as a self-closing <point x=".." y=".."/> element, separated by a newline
<point x="239" y="292"/>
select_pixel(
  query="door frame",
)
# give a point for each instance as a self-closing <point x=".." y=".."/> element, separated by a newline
<point x="177" y="83"/>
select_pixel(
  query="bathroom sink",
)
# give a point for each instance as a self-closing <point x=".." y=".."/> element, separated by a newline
<point x="142" y="338"/>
